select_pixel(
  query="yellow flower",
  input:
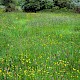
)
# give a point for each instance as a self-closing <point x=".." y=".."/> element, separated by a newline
<point x="9" y="73"/>
<point x="78" y="71"/>
<point x="39" y="70"/>
<point x="61" y="35"/>
<point x="16" y="17"/>
<point x="74" y="69"/>
<point x="0" y="70"/>
<point x="77" y="76"/>
<point x="65" y="64"/>
<point x="25" y="71"/>
<point x="71" y="76"/>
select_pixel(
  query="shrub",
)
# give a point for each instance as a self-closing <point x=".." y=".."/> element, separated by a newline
<point x="6" y="2"/>
<point x="78" y="9"/>
<point x="10" y="7"/>
<point x="2" y="8"/>
<point x="42" y="5"/>
<point x="18" y="8"/>
<point x="55" y="8"/>
<point x="62" y="3"/>
<point x="31" y="6"/>
<point x="75" y="5"/>
<point x="49" y="5"/>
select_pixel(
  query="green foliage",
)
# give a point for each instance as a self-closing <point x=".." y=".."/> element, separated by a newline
<point x="75" y="5"/>
<point x="10" y="7"/>
<point x="49" y="5"/>
<point x="2" y="8"/>
<point x="6" y="2"/>
<point x="37" y="5"/>
<point x="55" y="8"/>
<point x="33" y="6"/>
<point x="61" y="3"/>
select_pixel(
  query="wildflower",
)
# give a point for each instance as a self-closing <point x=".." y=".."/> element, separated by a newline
<point x="0" y="70"/>
<point x="49" y="35"/>
<point x="58" y="73"/>
<point x="8" y="44"/>
<point x="27" y="61"/>
<point x="77" y="76"/>
<point x="14" y="27"/>
<point x="28" y="75"/>
<point x="65" y="65"/>
<point x="44" y="71"/>
<point x="16" y="17"/>
<point x="40" y="56"/>
<point x="71" y="76"/>
<point x="60" y="35"/>
<point x="25" y="71"/>
<point x="78" y="71"/>
<point x="39" y="70"/>
<point x="47" y="72"/>
<point x="74" y="69"/>
<point x="50" y="67"/>
<point x="9" y="73"/>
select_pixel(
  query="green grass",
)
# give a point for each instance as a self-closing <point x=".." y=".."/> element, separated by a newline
<point x="39" y="46"/>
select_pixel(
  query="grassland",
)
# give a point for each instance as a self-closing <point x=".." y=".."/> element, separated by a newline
<point x="39" y="46"/>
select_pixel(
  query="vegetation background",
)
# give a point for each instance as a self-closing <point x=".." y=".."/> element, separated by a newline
<point x="40" y="40"/>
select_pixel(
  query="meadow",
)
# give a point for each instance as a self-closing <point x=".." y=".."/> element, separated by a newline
<point x="40" y="46"/>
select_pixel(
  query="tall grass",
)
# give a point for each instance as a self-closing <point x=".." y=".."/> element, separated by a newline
<point x="39" y="46"/>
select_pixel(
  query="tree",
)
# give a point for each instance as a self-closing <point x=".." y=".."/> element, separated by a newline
<point x="61" y="3"/>
<point x="75" y="5"/>
<point x="9" y="5"/>
<point x="6" y="2"/>
<point x="36" y="5"/>
<point x="32" y="5"/>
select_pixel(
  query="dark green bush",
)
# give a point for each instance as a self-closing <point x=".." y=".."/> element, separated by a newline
<point x="49" y="5"/>
<point x="62" y="3"/>
<point x="2" y="8"/>
<point x="10" y="7"/>
<point x="33" y="6"/>
<point x="55" y="8"/>
<point x="30" y="7"/>
<point x="6" y="2"/>
<point x="42" y="5"/>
